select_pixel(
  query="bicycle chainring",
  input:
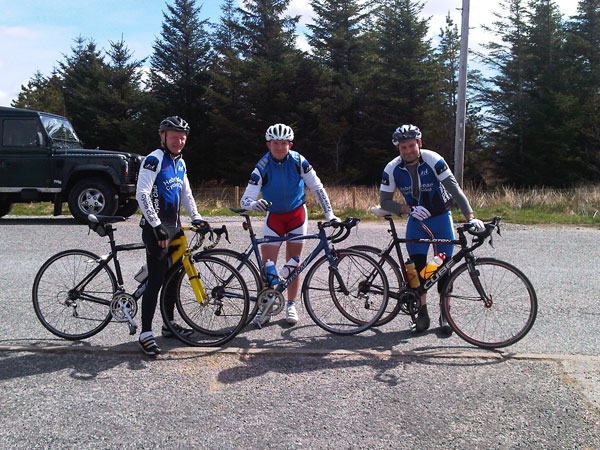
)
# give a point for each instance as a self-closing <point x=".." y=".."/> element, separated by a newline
<point x="410" y="302"/>
<point x="120" y="303"/>
<point x="271" y="298"/>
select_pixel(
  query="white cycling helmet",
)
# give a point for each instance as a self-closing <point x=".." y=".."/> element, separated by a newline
<point x="405" y="133"/>
<point x="279" y="132"/>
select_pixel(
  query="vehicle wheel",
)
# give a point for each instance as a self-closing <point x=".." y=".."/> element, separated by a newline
<point x="349" y="301"/>
<point x="93" y="196"/>
<point x="127" y="208"/>
<point x="5" y="207"/>
<point x="67" y="307"/>
<point x="222" y="314"/>
<point x="506" y="318"/>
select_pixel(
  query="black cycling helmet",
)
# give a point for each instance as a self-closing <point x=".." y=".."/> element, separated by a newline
<point x="405" y="133"/>
<point x="174" y="123"/>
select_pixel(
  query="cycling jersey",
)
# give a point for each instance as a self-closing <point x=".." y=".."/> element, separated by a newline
<point x="161" y="189"/>
<point x="282" y="184"/>
<point x="431" y="170"/>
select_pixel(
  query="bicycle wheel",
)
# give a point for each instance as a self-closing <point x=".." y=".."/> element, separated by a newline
<point x="223" y="313"/>
<point x="509" y="314"/>
<point x="394" y="277"/>
<point x="247" y="270"/>
<point x="349" y="301"/>
<point x="66" y="308"/>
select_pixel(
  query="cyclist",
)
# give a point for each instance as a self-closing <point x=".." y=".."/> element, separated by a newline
<point x="161" y="189"/>
<point x="280" y="176"/>
<point x="428" y="187"/>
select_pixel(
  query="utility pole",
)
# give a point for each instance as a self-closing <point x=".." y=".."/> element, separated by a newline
<point x="461" y="103"/>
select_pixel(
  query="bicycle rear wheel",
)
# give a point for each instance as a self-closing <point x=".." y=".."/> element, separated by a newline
<point x="349" y="301"/>
<point x="506" y="318"/>
<point x="394" y="277"/>
<point x="221" y="316"/>
<point x="247" y="270"/>
<point x="67" y="310"/>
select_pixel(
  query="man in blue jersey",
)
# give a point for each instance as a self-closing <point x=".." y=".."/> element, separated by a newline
<point x="280" y="176"/>
<point x="428" y="187"/>
<point x="162" y="187"/>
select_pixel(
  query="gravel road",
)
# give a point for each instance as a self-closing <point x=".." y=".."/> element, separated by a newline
<point x="300" y="387"/>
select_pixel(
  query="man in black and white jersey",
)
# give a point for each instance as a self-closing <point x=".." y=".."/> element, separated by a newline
<point x="162" y="187"/>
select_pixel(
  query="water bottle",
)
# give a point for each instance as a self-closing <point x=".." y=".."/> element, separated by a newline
<point x="272" y="278"/>
<point x="289" y="267"/>
<point x="432" y="265"/>
<point x="141" y="274"/>
<point x="411" y="271"/>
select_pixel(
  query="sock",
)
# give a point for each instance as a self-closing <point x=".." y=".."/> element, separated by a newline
<point x="291" y="302"/>
<point x="145" y="335"/>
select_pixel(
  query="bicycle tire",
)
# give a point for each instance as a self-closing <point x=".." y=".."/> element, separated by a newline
<point x="247" y="270"/>
<point x="394" y="277"/>
<point x="335" y="311"/>
<point x="67" y="314"/>
<point x="510" y="316"/>
<point x="222" y="316"/>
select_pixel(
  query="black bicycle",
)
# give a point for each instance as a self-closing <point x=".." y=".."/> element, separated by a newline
<point x="487" y="302"/>
<point x="76" y="293"/>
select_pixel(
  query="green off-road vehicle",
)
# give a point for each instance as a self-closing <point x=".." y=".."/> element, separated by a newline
<point x="42" y="159"/>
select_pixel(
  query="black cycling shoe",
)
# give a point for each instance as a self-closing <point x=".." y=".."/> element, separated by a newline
<point x="445" y="329"/>
<point x="185" y="332"/>
<point x="149" y="346"/>
<point x="422" y="323"/>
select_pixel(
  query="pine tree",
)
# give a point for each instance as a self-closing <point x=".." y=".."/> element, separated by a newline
<point x="42" y="93"/>
<point x="179" y="77"/>
<point x="338" y="49"/>
<point x="83" y="86"/>
<point x="583" y="49"/>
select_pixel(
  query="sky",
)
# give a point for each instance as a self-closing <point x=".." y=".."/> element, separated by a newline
<point x="36" y="34"/>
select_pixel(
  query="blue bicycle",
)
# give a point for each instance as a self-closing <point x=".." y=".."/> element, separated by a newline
<point x="337" y="291"/>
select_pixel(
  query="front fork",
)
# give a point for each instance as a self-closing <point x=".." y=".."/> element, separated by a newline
<point x="181" y="252"/>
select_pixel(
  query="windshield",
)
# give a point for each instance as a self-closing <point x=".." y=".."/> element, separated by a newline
<point x="59" y="129"/>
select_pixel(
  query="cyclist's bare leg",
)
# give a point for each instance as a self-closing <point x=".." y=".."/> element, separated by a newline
<point x="293" y="249"/>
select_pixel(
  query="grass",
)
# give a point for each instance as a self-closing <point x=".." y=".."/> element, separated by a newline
<point x="577" y="206"/>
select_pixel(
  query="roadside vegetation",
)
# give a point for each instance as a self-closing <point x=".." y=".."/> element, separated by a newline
<point x="577" y="206"/>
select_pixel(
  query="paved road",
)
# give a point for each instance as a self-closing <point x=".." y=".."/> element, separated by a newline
<point x="301" y="387"/>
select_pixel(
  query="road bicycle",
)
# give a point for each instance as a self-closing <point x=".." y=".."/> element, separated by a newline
<point x="487" y="302"/>
<point x="76" y="293"/>
<point x="340" y="280"/>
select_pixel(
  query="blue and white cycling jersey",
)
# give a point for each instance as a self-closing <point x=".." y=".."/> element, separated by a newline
<point x="431" y="170"/>
<point x="161" y="189"/>
<point x="282" y="184"/>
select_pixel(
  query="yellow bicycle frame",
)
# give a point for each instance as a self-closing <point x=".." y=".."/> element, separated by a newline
<point x="181" y="251"/>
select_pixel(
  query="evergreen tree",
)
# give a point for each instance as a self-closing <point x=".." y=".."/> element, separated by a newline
<point x="583" y="48"/>
<point x="338" y="49"/>
<point x="403" y="85"/>
<point x="83" y="87"/>
<point x="272" y="90"/>
<point x="42" y="93"/>
<point x="179" y="77"/>
<point x="124" y="99"/>
<point x="504" y="94"/>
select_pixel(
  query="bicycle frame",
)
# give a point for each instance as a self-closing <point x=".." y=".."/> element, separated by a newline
<point x="323" y="245"/>
<point x="465" y="252"/>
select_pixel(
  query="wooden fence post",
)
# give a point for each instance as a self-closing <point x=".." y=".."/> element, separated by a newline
<point x="237" y="197"/>
<point x="354" y="197"/>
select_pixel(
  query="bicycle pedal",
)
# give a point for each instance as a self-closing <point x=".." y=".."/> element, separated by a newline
<point x="132" y="329"/>
<point x="412" y="325"/>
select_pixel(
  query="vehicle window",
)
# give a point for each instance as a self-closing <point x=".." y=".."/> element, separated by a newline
<point x="59" y="129"/>
<point x="22" y="133"/>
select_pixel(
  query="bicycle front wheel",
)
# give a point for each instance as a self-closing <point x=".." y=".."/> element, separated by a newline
<point x="347" y="299"/>
<point x="67" y="304"/>
<point x="217" y="318"/>
<point x="503" y="317"/>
